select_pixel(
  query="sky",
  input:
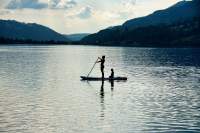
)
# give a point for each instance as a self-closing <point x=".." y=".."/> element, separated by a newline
<point x="79" y="16"/>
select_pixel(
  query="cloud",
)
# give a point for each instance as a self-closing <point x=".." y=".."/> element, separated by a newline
<point x="128" y="5"/>
<point x="36" y="4"/>
<point x="4" y="12"/>
<point x="85" y="13"/>
<point x="3" y="3"/>
<point x="129" y="2"/>
<point x="62" y="4"/>
<point x="21" y="4"/>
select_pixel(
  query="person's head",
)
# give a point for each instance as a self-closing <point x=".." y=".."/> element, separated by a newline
<point x="103" y="57"/>
<point x="112" y="69"/>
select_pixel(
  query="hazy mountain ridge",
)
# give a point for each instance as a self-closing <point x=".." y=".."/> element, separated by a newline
<point x="181" y="11"/>
<point x="146" y="31"/>
<point x="16" y="30"/>
<point x="77" y="37"/>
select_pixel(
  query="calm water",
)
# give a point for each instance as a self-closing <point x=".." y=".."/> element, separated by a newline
<point x="41" y="92"/>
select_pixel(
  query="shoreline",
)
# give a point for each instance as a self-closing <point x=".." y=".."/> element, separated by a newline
<point x="98" y="45"/>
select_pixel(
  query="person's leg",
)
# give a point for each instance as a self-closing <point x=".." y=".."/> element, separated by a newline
<point x="102" y="72"/>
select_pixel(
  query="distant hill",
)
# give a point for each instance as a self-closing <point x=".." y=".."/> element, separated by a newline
<point x="12" y="29"/>
<point x="169" y="27"/>
<point x="76" y="37"/>
<point x="181" y="11"/>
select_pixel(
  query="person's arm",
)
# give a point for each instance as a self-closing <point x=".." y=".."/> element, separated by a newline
<point x="99" y="60"/>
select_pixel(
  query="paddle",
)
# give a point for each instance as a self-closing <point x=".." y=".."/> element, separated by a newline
<point x="92" y="67"/>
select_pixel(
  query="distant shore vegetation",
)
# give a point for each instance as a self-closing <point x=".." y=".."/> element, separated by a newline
<point x="4" y="40"/>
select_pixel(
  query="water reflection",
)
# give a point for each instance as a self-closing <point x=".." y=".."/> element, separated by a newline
<point x="112" y="85"/>
<point x="162" y="57"/>
<point x="102" y="99"/>
<point x="102" y="96"/>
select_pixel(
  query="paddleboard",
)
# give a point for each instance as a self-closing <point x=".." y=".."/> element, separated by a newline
<point x="100" y="79"/>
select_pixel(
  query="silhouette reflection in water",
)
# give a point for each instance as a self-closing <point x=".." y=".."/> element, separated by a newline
<point x="102" y="96"/>
<point x="112" y="84"/>
<point x="102" y="99"/>
<point x="102" y="89"/>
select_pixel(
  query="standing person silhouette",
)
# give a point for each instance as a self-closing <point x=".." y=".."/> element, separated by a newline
<point x="102" y="61"/>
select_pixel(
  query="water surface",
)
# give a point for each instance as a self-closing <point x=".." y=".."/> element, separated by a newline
<point x="40" y="90"/>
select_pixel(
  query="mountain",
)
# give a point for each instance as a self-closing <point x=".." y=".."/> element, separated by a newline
<point x="12" y="29"/>
<point x="177" y="24"/>
<point x="181" y="11"/>
<point x="77" y="37"/>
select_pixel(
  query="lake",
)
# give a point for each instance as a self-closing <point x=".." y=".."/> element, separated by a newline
<point x="41" y="90"/>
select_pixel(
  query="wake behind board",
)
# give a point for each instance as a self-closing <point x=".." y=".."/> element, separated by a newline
<point x="100" y="79"/>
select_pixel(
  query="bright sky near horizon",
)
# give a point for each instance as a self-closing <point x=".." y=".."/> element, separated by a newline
<point x="79" y="16"/>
